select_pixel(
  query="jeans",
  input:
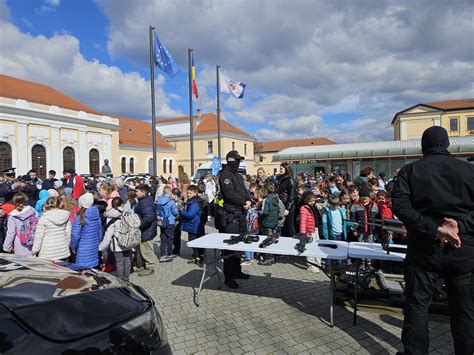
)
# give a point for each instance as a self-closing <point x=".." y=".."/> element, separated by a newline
<point x="123" y="263"/>
<point x="420" y="285"/>
<point x="196" y="251"/>
<point x="177" y="240"/>
<point x="248" y="255"/>
<point x="167" y="237"/>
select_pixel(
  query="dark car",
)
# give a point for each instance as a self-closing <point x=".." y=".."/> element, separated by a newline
<point x="49" y="309"/>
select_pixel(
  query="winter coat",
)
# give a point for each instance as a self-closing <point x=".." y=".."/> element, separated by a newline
<point x="270" y="211"/>
<point x="385" y="210"/>
<point x="114" y="218"/>
<point x="307" y="220"/>
<point x="85" y="238"/>
<point x="77" y="185"/>
<point x="15" y="220"/>
<point x="43" y="196"/>
<point x="145" y="209"/>
<point x="53" y="235"/>
<point x="359" y="214"/>
<point x="123" y="194"/>
<point x="287" y="191"/>
<point x="168" y="203"/>
<point x="328" y="232"/>
<point x="190" y="219"/>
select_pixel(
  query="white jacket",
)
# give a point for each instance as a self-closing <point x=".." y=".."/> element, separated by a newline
<point x="109" y="236"/>
<point x="53" y="235"/>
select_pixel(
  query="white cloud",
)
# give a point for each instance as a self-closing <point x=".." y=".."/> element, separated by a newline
<point x="57" y="62"/>
<point x="4" y="11"/>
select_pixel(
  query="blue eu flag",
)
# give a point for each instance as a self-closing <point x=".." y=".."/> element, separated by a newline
<point x="163" y="59"/>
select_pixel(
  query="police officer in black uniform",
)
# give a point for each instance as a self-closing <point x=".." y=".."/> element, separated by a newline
<point x="10" y="187"/>
<point x="236" y="203"/>
<point x="434" y="198"/>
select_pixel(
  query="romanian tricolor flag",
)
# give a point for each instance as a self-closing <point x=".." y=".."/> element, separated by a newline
<point x="193" y="76"/>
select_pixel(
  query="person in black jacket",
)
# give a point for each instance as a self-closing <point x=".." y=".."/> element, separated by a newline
<point x="287" y="194"/>
<point x="434" y="198"/>
<point x="236" y="203"/>
<point x="145" y="209"/>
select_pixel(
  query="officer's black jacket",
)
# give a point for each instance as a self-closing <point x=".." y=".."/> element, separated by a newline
<point x="232" y="188"/>
<point x="434" y="187"/>
<point x="287" y="191"/>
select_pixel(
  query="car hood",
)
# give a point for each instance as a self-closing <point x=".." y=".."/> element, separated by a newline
<point x="62" y="304"/>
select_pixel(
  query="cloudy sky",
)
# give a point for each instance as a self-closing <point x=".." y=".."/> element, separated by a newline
<point x="338" y="69"/>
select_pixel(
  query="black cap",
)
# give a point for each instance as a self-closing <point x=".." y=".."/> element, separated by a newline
<point x="233" y="155"/>
<point x="70" y="171"/>
<point x="364" y="192"/>
<point x="434" y="138"/>
<point x="9" y="171"/>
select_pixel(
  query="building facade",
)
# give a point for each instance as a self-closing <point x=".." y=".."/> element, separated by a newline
<point x="456" y="116"/>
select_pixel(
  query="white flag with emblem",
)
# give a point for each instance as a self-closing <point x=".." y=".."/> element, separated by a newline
<point x="230" y="86"/>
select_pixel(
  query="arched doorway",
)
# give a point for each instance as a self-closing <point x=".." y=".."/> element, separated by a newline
<point x="93" y="161"/>
<point x="5" y="156"/>
<point x="69" y="158"/>
<point x="38" y="160"/>
<point x="123" y="163"/>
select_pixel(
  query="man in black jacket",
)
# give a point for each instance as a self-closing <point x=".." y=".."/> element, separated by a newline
<point x="236" y="203"/>
<point x="434" y="198"/>
<point x="145" y="209"/>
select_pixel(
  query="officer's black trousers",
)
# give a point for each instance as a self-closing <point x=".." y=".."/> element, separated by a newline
<point x="232" y="266"/>
<point x="419" y="292"/>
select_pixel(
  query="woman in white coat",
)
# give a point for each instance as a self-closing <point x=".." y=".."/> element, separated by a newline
<point x="53" y="232"/>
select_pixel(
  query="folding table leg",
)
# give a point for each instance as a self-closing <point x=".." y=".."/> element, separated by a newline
<point x="216" y="270"/>
<point x="356" y="290"/>
<point x="331" y="294"/>
<point x="196" y="299"/>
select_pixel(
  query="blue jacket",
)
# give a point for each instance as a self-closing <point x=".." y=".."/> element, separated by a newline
<point x="85" y="238"/>
<point x="328" y="232"/>
<point x="145" y="209"/>
<point x="190" y="219"/>
<point x="168" y="203"/>
<point x="43" y="196"/>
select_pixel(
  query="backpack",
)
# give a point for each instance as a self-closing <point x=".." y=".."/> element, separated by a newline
<point x="163" y="214"/>
<point x="27" y="230"/>
<point x="128" y="234"/>
<point x="252" y="221"/>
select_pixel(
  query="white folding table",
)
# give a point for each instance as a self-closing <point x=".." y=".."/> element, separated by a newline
<point x="361" y="251"/>
<point x="327" y="249"/>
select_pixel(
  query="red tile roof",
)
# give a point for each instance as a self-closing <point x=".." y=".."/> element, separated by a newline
<point x="15" y="88"/>
<point x="138" y="133"/>
<point x="208" y="124"/>
<point x="276" y="146"/>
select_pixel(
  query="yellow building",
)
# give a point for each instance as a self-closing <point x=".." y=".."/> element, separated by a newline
<point x="265" y="151"/>
<point x="176" y="131"/>
<point x="456" y="116"/>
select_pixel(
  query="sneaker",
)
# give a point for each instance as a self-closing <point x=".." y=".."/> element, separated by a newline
<point x="231" y="284"/>
<point x="146" y="272"/>
<point x="266" y="262"/>
<point x="242" y="276"/>
<point x="247" y="262"/>
<point x="165" y="259"/>
<point x="313" y="269"/>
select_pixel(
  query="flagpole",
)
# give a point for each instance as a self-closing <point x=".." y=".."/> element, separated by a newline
<point x="191" y="130"/>
<point x="153" y="119"/>
<point x="218" y="114"/>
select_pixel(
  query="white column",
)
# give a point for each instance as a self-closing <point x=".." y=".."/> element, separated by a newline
<point x="403" y="130"/>
<point x="107" y="153"/>
<point x="24" y="153"/>
<point x="82" y="166"/>
<point x="56" y="154"/>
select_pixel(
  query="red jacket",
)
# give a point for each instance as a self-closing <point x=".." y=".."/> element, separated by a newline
<point x="385" y="210"/>
<point x="78" y="188"/>
<point x="307" y="220"/>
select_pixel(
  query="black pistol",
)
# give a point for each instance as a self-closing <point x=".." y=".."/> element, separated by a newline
<point x="271" y="239"/>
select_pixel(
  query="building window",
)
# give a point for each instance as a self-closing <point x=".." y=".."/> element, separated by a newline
<point x="470" y="123"/>
<point x="261" y="158"/>
<point x="209" y="147"/>
<point x="5" y="156"/>
<point x="171" y="166"/>
<point x="132" y="165"/>
<point x="164" y="166"/>
<point x="69" y="158"/>
<point x="93" y="162"/>
<point x="38" y="160"/>
<point x="150" y="166"/>
<point x="245" y="149"/>
<point x="233" y="145"/>
<point x="123" y="164"/>
<point x="453" y="125"/>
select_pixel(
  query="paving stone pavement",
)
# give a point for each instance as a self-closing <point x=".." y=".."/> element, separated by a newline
<point x="281" y="309"/>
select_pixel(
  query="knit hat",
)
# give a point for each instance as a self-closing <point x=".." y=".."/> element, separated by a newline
<point x="52" y="193"/>
<point x="118" y="182"/>
<point x="364" y="192"/>
<point x="68" y="191"/>
<point x="86" y="200"/>
<point x="58" y="184"/>
<point x="434" y="138"/>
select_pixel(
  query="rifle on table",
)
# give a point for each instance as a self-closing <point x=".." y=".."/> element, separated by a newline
<point x="242" y="237"/>
<point x="387" y="225"/>
<point x="271" y="239"/>
<point x="303" y="239"/>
